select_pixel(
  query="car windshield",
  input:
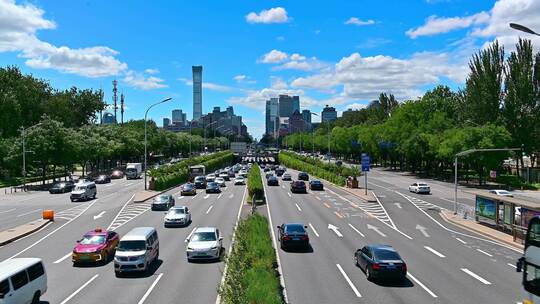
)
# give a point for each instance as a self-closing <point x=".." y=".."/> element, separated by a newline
<point x="80" y="188"/>
<point x="212" y="184"/>
<point x="177" y="211"/>
<point x="294" y="229"/>
<point x="162" y="198"/>
<point x="199" y="179"/>
<point x="386" y="254"/>
<point x="189" y="187"/>
<point x="422" y="185"/>
<point x="92" y="239"/>
<point x="59" y="185"/>
<point x="131" y="245"/>
<point x="204" y="237"/>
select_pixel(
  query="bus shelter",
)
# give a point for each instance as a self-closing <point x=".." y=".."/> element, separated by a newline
<point x="507" y="214"/>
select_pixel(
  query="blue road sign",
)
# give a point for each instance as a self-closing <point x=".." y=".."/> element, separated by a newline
<point x="365" y="162"/>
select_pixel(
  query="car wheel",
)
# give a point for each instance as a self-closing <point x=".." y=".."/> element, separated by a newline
<point x="369" y="276"/>
<point x="35" y="298"/>
<point x="356" y="261"/>
<point x="117" y="274"/>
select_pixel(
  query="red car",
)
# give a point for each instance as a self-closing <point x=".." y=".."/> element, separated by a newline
<point x="116" y="174"/>
<point x="95" y="246"/>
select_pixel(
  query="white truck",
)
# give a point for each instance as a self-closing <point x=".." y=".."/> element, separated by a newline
<point x="133" y="170"/>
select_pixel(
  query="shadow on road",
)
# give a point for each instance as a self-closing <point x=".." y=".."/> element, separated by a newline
<point x="308" y="249"/>
<point x="151" y="271"/>
<point x="405" y="283"/>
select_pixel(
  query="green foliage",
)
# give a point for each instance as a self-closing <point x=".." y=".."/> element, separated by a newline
<point x="175" y="174"/>
<point x="255" y="185"/>
<point x="314" y="167"/>
<point x="251" y="276"/>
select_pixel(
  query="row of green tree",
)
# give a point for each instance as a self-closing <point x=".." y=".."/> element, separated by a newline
<point x="499" y="107"/>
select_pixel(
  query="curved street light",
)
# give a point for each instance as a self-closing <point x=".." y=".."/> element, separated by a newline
<point x="523" y="28"/>
<point x="145" y="137"/>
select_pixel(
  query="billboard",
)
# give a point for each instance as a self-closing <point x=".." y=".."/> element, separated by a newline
<point x="485" y="207"/>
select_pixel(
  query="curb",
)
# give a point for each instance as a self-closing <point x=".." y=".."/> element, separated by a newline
<point x="511" y="244"/>
<point x="38" y="227"/>
<point x="366" y="200"/>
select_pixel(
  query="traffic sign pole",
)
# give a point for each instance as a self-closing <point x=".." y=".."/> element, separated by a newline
<point x="365" y="168"/>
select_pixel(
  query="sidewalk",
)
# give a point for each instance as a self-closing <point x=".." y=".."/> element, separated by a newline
<point x="360" y="193"/>
<point x="144" y="195"/>
<point x="473" y="226"/>
<point x="18" y="232"/>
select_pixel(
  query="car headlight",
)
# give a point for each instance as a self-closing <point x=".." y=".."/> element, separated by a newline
<point x="189" y="248"/>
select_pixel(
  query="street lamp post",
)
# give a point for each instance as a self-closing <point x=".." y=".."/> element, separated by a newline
<point x="523" y="28"/>
<point x="23" y="135"/>
<point x="146" y="137"/>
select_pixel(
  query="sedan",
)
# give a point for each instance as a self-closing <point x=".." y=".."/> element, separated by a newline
<point x="200" y="182"/>
<point x="95" y="246"/>
<point x="286" y="177"/>
<point x="220" y="181"/>
<point x="212" y="187"/>
<point x="316" y="185"/>
<point x="210" y="177"/>
<point x="501" y="192"/>
<point x="102" y="179"/>
<point x="272" y="181"/>
<point x="380" y="262"/>
<point x="116" y="174"/>
<point x="239" y="181"/>
<point x="419" y="188"/>
<point x="303" y="176"/>
<point x="163" y="202"/>
<point x="177" y="216"/>
<point x="298" y="187"/>
<point x="224" y="176"/>
<point x="188" y="189"/>
<point x="203" y="244"/>
<point x="293" y="235"/>
<point x="61" y="187"/>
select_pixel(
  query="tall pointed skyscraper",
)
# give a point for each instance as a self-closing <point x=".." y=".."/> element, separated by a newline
<point x="197" y="91"/>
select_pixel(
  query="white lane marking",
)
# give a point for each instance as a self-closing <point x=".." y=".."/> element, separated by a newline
<point x="52" y="232"/>
<point x="313" y="228"/>
<point x="210" y="208"/>
<point x="29" y="212"/>
<point x="289" y="194"/>
<point x="387" y="215"/>
<point x="283" y="186"/>
<point x="318" y="198"/>
<point x="435" y="252"/>
<point x="219" y="196"/>
<point x="512" y="265"/>
<point x="421" y="285"/>
<point x="147" y="293"/>
<point x="356" y="292"/>
<point x="474" y="275"/>
<point x="297" y="207"/>
<point x="423" y="230"/>
<point x="207" y="196"/>
<point x="60" y="260"/>
<point x="461" y="241"/>
<point x="79" y="289"/>
<point x="6" y="211"/>
<point x="99" y="215"/>
<point x="128" y="184"/>
<point x="357" y="231"/>
<point x="335" y="229"/>
<point x="120" y="212"/>
<point x="376" y="229"/>
<point x="181" y="197"/>
<point x="191" y="233"/>
<point x="482" y="251"/>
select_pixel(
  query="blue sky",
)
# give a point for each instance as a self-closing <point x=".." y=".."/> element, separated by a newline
<point x="342" y="53"/>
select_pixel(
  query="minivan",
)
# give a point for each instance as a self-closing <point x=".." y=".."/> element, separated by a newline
<point x="22" y="280"/>
<point x="136" y="251"/>
<point x="83" y="191"/>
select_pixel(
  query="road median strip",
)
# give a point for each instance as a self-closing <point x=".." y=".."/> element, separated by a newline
<point x="13" y="234"/>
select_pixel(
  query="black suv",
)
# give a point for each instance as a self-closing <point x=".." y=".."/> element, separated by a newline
<point x="303" y="176"/>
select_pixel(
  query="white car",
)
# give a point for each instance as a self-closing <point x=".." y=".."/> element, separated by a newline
<point x="177" y="216"/>
<point x="243" y="173"/>
<point x="286" y="177"/>
<point x="501" y="192"/>
<point x="220" y="181"/>
<point x="420" y="188"/>
<point x="203" y="244"/>
<point x="239" y="181"/>
<point x="210" y="177"/>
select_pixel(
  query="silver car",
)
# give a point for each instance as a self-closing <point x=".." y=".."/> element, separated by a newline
<point x="177" y="216"/>
<point x="220" y="181"/>
<point x="163" y="202"/>
<point x="204" y="243"/>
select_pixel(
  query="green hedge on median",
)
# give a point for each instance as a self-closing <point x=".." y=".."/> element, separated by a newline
<point x="331" y="173"/>
<point x="255" y="184"/>
<point x="251" y="276"/>
<point x="173" y="175"/>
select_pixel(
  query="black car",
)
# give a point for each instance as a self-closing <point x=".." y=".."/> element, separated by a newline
<point x="200" y="182"/>
<point x="272" y="181"/>
<point x="213" y="187"/>
<point x="102" y="179"/>
<point x="61" y="187"/>
<point x="231" y="174"/>
<point x="298" y="187"/>
<point x="163" y="202"/>
<point x="279" y="171"/>
<point x="316" y="185"/>
<point x="188" y="189"/>
<point x="293" y="235"/>
<point x="303" y="176"/>
<point x="266" y="169"/>
<point x="380" y="262"/>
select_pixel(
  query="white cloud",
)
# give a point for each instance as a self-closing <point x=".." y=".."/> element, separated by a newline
<point x="274" y="56"/>
<point x="373" y="43"/>
<point x="141" y="81"/>
<point x="209" y="85"/>
<point x="273" y="15"/>
<point x="244" y="79"/>
<point x="151" y="71"/>
<point x="297" y="56"/>
<point x="356" y="21"/>
<point x="277" y="83"/>
<point x="356" y="106"/>
<point x="256" y="99"/>
<point x="280" y="38"/>
<point x="435" y="25"/>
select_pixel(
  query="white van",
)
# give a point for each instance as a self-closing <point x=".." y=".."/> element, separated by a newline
<point x="137" y="250"/>
<point x="22" y="281"/>
<point x="83" y="191"/>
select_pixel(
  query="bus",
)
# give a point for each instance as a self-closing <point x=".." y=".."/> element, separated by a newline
<point x="529" y="263"/>
<point x="195" y="171"/>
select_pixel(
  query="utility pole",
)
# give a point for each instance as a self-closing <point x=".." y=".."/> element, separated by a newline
<point x="122" y="108"/>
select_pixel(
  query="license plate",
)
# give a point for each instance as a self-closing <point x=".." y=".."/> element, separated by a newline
<point x="84" y="257"/>
<point x="296" y="238"/>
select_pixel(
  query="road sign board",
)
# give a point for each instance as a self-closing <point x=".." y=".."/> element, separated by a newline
<point x="365" y="162"/>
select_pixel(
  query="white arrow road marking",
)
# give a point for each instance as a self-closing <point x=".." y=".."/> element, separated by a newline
<point x="422" y="229"/>
<point x="421" y="285"/>
<point x="357" y="231"/>
<point x="210" y="208"/>
<point x="482" y="251"/>
<point x="376" y="229"/>
<point x="313" y="228"/>
<point x="298" y="207"/>
<point x="180" y="197"/>
<point x="397" y="205"/>
<point x="435" y="252"/>
<point x="151" y="288"/>
<point x="79" y="289"/>
<point x="511" y="265"/>
<point x="317" y="197"/>
<point x="60" y="260"/>
<point x="335" y="229"/>
<point x="461" y="241"/>
<point x="356" y="292"/>
<point x="206" y="196"/>
<point x="99" y="215"/>
<point x="474" y="275"/>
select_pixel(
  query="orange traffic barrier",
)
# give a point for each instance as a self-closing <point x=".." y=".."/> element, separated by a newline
<point x="48" y="215"/>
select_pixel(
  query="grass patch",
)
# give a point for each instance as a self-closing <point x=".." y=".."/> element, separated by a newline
<point x="255" y="185"/>
<point x="251" y="276"/>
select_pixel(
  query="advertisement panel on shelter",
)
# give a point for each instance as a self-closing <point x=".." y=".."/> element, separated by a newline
<point x="485" y="207"/>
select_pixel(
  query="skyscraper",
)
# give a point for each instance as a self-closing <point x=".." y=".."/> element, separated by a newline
<point x="328" y="114"/>
<point x="288" y="104"/>
<point x="166" y="122"/>
<point x="295" y="103"/>
<point x="272" y="117"/>
<point x="306" y="115"/>
<point x="197" y="91"/>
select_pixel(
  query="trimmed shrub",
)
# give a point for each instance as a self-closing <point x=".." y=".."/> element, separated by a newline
<point x="255" y="184"/>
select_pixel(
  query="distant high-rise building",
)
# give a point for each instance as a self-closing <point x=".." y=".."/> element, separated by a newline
<point x="295" y="103"/>
<point x="328" y="114"/>
<point x="166" y="122"/>
<point x="306" y="115"/>
<point x="197" y="91"/>
<point x="288" y="104"/>
<point x="178" y="117"/>
<point x="296" y="123"/>
<point x="272" y="117"/>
